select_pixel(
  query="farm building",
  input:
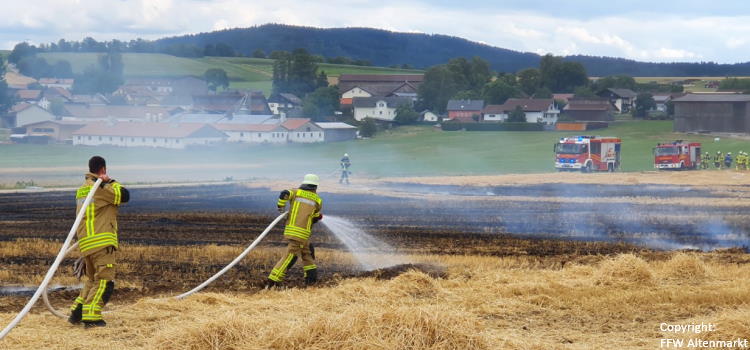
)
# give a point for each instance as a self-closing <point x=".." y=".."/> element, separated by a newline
<point x="283" y="102"/>
<point x="464" y="110"/>
<point x="66" y="84"/>
<point x="333" y="132"/>
<point x="54" y="130"/>
<point x="254" y="133"/>
<point x="712" y="112"/>
<point x="147" y="134"/>
<point x="25" y="113"/>
<point x="541" y="110"/>
<point x="89" y="113"/>
<point x="585" y="109"/>
<point x="378" y="85"/>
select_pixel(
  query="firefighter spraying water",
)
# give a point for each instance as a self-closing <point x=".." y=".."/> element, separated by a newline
<point x="588" y="153"/>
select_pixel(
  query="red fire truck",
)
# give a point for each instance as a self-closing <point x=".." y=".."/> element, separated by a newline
<point x="588" y="153"/>
<point x="677" y="155"/>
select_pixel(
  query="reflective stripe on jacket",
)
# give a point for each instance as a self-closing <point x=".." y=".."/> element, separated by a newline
<point x="304" y="206"/>
<point x="98" y="229"/>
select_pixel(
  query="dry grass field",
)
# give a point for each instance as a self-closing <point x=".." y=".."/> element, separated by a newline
<point x="523" y="265"/>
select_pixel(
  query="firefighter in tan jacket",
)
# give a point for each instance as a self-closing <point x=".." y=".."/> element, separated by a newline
<point x="97" y="241"/>
<point x="304" y="211"/>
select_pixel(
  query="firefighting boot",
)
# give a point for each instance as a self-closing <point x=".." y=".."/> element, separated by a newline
<point x="93" y="324"/>
<point x="311" y="276"/>
<point x="76" y="314"/>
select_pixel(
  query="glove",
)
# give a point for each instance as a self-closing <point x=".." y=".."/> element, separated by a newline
<point x="79" y="267"/>
<point x="315" y="220"/>
<point x="281" y="210"/>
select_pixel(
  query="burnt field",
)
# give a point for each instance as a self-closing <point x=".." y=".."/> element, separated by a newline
<point x="164" y="231"/>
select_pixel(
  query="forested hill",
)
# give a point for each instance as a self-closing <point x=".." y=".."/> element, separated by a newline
<point x="385" y="48"/>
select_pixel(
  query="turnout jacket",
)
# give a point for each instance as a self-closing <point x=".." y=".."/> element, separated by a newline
<point x="98" y="229"/>
<point x="304" y="210"/>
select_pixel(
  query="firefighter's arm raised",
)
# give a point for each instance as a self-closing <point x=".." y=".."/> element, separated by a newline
<point x="112" y="192"/>
<point x="283" y="198"/>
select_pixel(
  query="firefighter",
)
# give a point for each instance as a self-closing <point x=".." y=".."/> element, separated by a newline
<point x="728" y="160"/>
<point x="97" y="242"/>
<point x="717" y="160"/>
<point x="345" y="164"/>
<point x="304" y="211"/>
<point x="741" y="161"/>
<point x="705" y="160"/>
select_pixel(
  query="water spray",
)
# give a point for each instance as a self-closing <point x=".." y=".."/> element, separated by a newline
<point x="361" y="244"/>
<point x="51" y="272"/>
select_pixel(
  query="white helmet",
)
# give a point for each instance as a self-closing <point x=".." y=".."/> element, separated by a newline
<point x="346" y="154"/>
<point x="311" y="179"/>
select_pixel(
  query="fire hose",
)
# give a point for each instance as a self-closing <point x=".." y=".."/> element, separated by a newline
<point x="51" y="272"/>
<point x="67" y="248"/>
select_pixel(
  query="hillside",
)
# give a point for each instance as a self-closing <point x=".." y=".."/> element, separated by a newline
<point x="244" y="72"/>
<point x="385" y="48"/>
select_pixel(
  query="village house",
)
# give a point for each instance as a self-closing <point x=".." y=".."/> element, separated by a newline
<point x="283" y="102"/>
<point x="622" y="100"/>
<point x="729" y="113"/>
<point x="253" y="102"/>
<point x="588" y="109"/>
<point x="379" y="108"/>
<point x="28" y="95"/>
<point x="541" y="110"/>
<point x="302" y="130"/>
<point x="147" y="134"/>
<point x="464" y="110"/>
<point x="337" y="131"/>
<point x="378" y="85"/>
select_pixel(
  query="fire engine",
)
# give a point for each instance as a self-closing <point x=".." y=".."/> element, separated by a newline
<point x="677" y="155"/>
<point x="588" y="153"/>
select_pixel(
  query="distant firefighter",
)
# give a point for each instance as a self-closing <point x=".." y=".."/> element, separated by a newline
<point x="97" y="241"/>
<point x="741" y="161"/>
<point x="728" y="160"/>
<point x="718" y="158"/>
<point x="705" y="160"/>
<point x="304" y="211"/>
<point x="345" y="164"/>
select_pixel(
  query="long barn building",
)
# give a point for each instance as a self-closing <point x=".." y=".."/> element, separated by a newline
<point x="728" y="113"/>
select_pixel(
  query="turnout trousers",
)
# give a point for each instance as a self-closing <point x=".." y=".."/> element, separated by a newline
<point x="98" y="284"/>
<point x="296" y="250"/>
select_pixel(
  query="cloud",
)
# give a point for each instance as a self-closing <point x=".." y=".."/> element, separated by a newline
<point x="530" y="25"/>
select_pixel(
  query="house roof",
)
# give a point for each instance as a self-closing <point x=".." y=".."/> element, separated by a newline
<point x="247" y="127"/>
<point x="587" y="105"/>
<point x="28" y="94"/>
<point x="56" y="81"/>
<point x="58" y="91"/>
<point x="58" y="122"/>
<point x="662" y="98"/>
<point x="291" y="98"/>
<point x="713" y="98"/>
<point x="381" y="77"/>
<point x="626" y="93"/>
<point x="295" y="123"/>
<point x="335" y="125"/>
<point x="116" y="111"/>
<point x="527" y="104"/>
<point x="17" y="79"/>
<point x="138" y="129"/>
<point x="465" y="105"/>
<point x="371" y="102"/>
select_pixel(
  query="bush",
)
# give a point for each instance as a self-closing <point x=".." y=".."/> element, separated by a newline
<point x="367" y="128"/>
<point x="508" y="126"/>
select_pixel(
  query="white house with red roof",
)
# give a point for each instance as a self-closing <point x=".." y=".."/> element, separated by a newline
<point x="148" y="134"/>
<point x="303" y="130"/>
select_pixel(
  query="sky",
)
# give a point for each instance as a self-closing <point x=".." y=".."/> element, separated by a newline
<point x="654" y="30"/>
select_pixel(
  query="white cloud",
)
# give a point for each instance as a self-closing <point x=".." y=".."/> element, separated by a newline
<point x="666" y="38"/>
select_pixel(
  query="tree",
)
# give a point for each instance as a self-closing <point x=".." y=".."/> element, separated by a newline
<point x="322" y="80"/>
<point x="295" y="73"/>
<point x="498" y="91"/>
<point x="560" y="76"/>
<point x="614" y="81"/>
<point x="529" y="80"/>
<point x="643" y="104"/>
<point x="321" y="103"/>
<point x="20" y="51"/>
<point x="584" y="91"/>
<point x="258" y="53"/>
<point x="215" y="78"/>
<point x="439" y="86"/>
<point x="543" y="93"/>
<point x="368" y="128"/>
<point x="104" y="78"/>
<point x="405" y="114"/>
<point x="517" y="115"/>
<point x="6" y="100"/>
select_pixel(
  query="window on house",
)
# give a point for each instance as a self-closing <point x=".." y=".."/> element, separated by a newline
<point x="242" y="134"/>
<point x="122" y="139"/>
<point x="308" y="129"/>
<point x="143" y="139"/>
<point x="154" y="139"/>
<point x="132" y="139"/>
<point x="381" y="112"/>
<point x="258" y="134"/>
<point x="100" y="138"/>
<point x="177" y="141"/>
